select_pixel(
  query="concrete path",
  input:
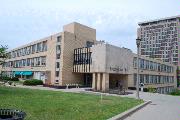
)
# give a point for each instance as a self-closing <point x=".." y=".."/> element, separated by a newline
<point x="163" y="107"/>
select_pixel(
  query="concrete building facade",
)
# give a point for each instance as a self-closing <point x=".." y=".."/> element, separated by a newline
<point x="74" y="56"/>
<point x="111" y="66"/>
<point x="160" y="39"/>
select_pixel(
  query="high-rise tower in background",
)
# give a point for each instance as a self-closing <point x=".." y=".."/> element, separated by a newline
<point x="160" y="39"/>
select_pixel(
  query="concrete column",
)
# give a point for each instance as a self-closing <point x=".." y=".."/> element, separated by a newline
<point x="98" y="81"/>
<point x="94" y="82"/>
<point x="105" y="82"/>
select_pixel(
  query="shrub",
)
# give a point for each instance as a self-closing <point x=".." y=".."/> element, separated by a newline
<point x="176" y="92"/>
<point x="151" y="90"/>
<point x="33" y="82"/>
<point x="14" y="79"/>
<point x="6" y="78"/>
<point x="145" y="89"/>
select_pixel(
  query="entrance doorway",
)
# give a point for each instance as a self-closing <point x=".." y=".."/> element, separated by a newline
<point x="88" y="79"/>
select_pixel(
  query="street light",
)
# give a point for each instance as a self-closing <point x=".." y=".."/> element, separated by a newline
<point x="138" y="42"/>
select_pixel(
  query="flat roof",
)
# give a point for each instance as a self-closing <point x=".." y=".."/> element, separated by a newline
<point x="155" y="20"/>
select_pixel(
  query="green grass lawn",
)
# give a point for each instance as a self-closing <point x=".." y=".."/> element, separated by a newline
<point x="55" y="105"/>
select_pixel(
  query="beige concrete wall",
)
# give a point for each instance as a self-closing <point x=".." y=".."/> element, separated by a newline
<point x="74" y="36"/>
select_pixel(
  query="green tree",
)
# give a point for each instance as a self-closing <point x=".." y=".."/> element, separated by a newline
<point x="3" y="54"/>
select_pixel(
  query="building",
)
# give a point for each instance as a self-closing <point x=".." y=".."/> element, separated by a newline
<point x="50" y="59"/>
<point x="74" y="56"/>
<point x="160" y="39"/>
<point x="106" y="66"/>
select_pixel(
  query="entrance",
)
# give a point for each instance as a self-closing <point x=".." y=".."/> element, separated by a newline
<point x="88" y="79"/>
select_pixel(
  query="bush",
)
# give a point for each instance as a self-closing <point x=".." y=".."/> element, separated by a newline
<point x="5" y="78"/>
<point x="14" y="79"/>
<point x="151" y="90"/>
<point x="176" y="92"/>
<point x="33" y="82"/>
<point x="145" y="89"/>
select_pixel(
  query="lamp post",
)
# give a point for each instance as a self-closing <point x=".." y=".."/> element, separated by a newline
<point x="138" y="42"/>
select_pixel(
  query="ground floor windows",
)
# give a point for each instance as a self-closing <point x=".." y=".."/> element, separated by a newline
<point x="165" y="90"/>
<point x="154" y="79"/>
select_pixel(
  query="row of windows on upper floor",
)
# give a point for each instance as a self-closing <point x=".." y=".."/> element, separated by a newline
<point x="158" y="24"/>
<point x="150" y="65"/>
<point x="33" y="62"/>
<point x="38" y="47"/>
<point x="153" y="79"/>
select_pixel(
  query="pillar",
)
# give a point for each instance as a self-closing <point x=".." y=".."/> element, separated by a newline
<point x="98" y="81"/>
<point x="105" y="82"/>
<point x="94" y="82"/>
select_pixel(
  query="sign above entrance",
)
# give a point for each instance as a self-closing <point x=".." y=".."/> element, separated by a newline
<point x="118" y="69"/>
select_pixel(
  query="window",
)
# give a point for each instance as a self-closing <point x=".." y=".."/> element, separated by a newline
<point x="89" y="44"/>
<point x="58" y="48"/>
<point x="44" y="46"/>
<point x="58" y="56"/>
<point x="59" y="39"/>
<point x="32" y="62"/>
<point x="57" y="73"/>
<point x="33" y="49"/>
<point x="57" y="65"/>
<point x="43" y="60"/>
<point x="37" y="61"/>
<point x="38" y="47"/>
<point x="28" y="62"/>
<point x="24" y="62"/>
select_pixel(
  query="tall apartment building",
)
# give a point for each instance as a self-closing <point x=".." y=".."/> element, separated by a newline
<point x="160" y="39"/>
<point x="74" y="56"/>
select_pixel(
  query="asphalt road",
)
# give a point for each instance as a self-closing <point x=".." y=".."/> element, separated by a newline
<point x="163" y="107"/>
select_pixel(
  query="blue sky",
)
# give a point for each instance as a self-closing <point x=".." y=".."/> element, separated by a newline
<point x="23" y="21"/>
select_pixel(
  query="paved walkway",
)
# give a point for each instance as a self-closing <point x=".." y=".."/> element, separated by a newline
<point x="163" y="107"/>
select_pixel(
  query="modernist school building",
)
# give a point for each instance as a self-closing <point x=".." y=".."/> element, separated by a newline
<point x="74" y="56"/>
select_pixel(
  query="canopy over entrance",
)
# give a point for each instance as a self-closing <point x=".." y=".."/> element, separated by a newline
<point x="23" y="72"/>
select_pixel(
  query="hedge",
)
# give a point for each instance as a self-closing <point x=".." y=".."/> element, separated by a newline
<point x="33" y="82"/>
<point x="5" y="78"/>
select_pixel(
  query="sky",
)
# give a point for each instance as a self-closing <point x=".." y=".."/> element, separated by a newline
<point x="115" y="21"/>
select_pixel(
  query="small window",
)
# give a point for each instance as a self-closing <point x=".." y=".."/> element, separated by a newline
<point x="59" y="39"/>
<point x="58" y="56"/>
<point x="57" y="65"/>
<point x="57" y="73"/>
<point x="89" y="44"/>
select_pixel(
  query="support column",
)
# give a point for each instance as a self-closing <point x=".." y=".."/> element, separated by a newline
<point x="98" y="81"/>
<point x="94" y="82"/>
<point x="105" y="82"/>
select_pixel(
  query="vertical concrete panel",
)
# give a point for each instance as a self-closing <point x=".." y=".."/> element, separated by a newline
<point x="94" y="83"/>
<point x="105" y="82"/>
<point x="98" y="81"/>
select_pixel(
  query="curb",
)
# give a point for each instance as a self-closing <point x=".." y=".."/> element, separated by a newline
<point x="125" y="114"/>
